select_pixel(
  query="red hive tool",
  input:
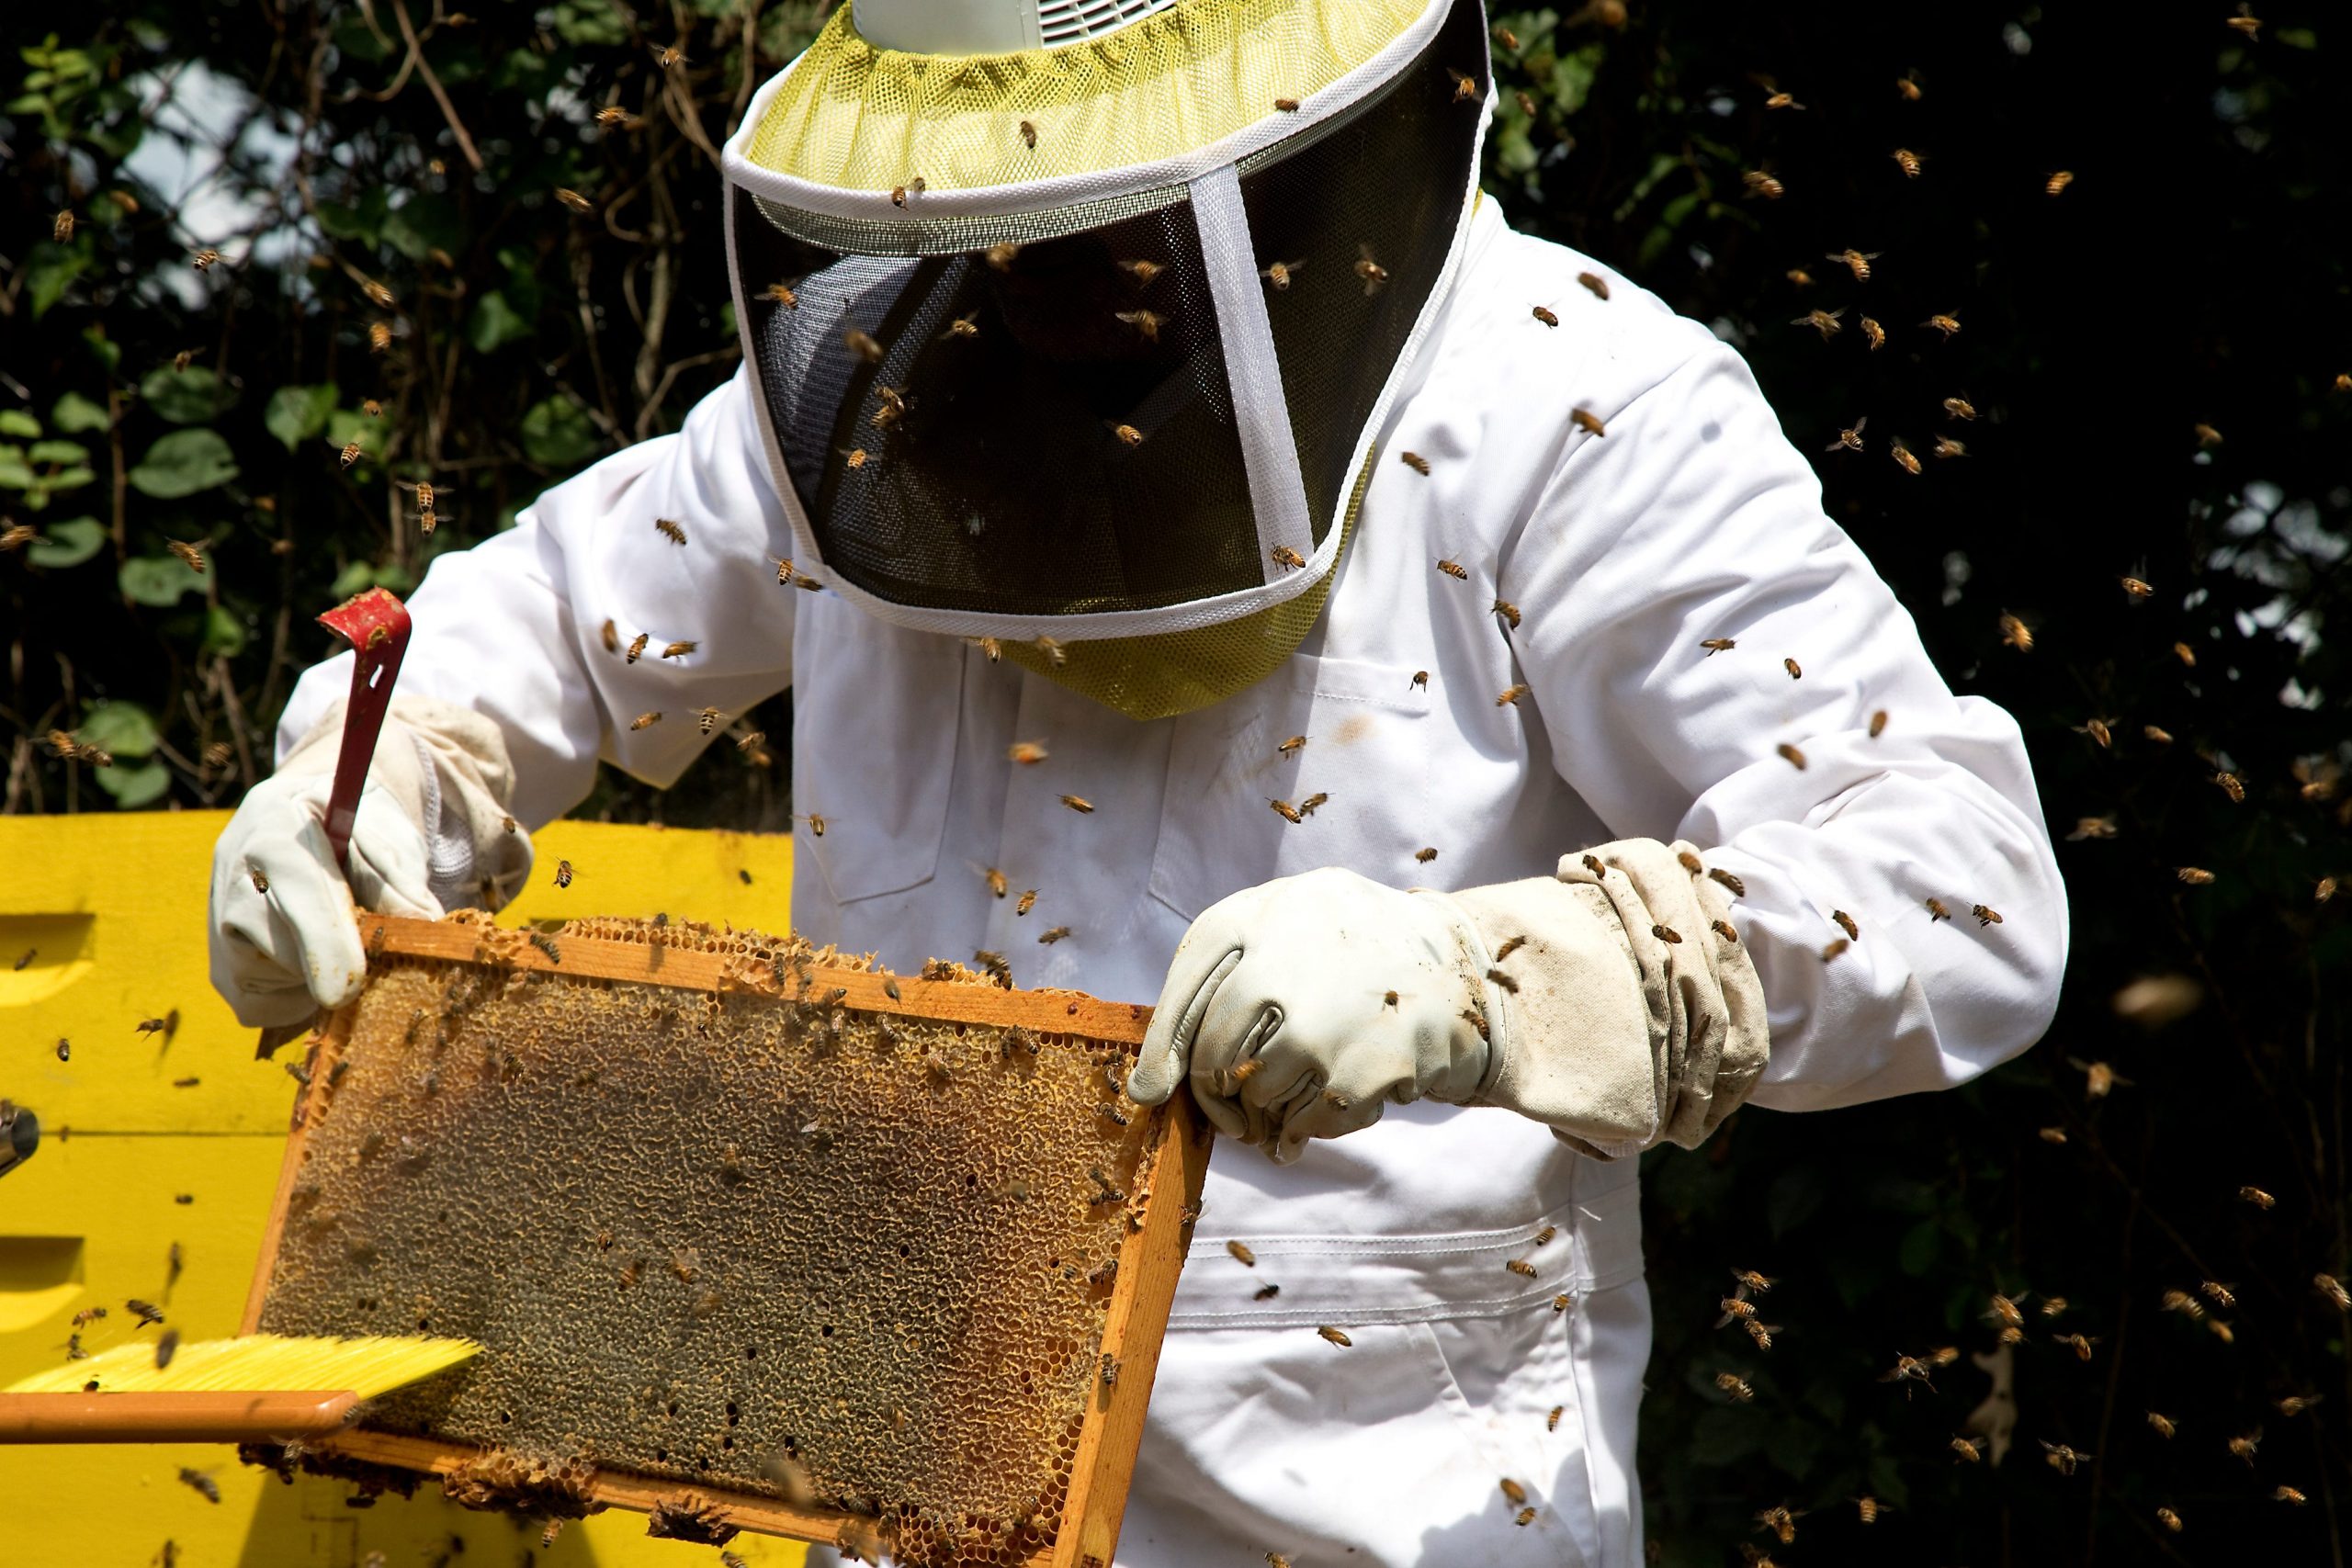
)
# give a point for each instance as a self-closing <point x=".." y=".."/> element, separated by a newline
<point x="377" y="626"/>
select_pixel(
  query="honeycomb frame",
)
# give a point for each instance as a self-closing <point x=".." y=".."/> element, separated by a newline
<point x="1174" y="1142"/>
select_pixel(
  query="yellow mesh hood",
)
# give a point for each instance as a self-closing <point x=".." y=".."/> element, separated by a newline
<point x="1175" y="673"/>
<point x="857" y="117"/>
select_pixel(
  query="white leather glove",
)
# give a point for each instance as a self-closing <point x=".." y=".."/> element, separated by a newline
<point x="1302" y="1007"/>
<point x="430" y="835"/>
<point x="1609" y="1006"/>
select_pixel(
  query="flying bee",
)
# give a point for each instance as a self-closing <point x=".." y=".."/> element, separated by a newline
<point x="1759" y="183"/>
<point x="1029" y="135"/>
<point x="1292" y="746"/>
<point x="1142" y="271"/>
<point x="145" y="1311"/>
<point x="2326" y="1284"/>
<point x="1425" y="854"/>
<point x="1546" y="316"/>
<point x="1286" y="810"/>
<point x="574" y="199"/>
<point x="1907" y="161"/>
<point x="1052" y="650"/>
<point x="1736" y="1308"/>
<point x="1520" y="1267"/>
<point x="2016" y="634"/>
<point x="350" y="454"/>
<point x="1079" y="803"/>
<point x="1857" y="262"/>
<point x="1790" y="755"/>
<point x="1595" y="282"/>
<point x="2246" y="21"/>
<point x="997" y="883"/>
<point x="1048" y="938"/>
<point x="2243" y="1445"/>
<point x="1761" y="1332"/>
<point x="377" y="293"/>
<point x="1800" y="277"/>
<point x="1825" y="322"/>
<point x="190" y="556"/>
<point x="1147" y="323"/>
<point x="1466" y="86"/>
<point x="1749" y="1279"/>
<point x="612" y="116"/>
<point x="1902" y="454"/>
<point x="1908" y="86"/>
<point x="1873" y="333"/>
<point x="1796" y="670"/>
<point x="1985" y="915"/>
<point x="1512" y="1490"/>
<point x="1026" y="902"/>
<point x="1947" y="446"/>
<point x="1508" y="611"/>
<point x="1455" y="570"/>
<point x="1374" y="275"/>
<point x="2194" y="875"/>
<point x="1028" y="753"/>
<point x="2289" y="1494"/>
<point x="2061" y="1458"/>
<point x="1715" y="645"/>
<point x="2080" y="1344"/>
<point x="1780" y="1522"/>
<point x="645" y="720"/>
<point x="206" y="259"/>
<point x="1586" y="420"/>
<point x="2294" y="1404"/>
<point x="2164" y="1425"/>
<point x="563" y="874"/>
<point x="1946" y="325"/>
<point x="1335" y="1336"/>
<point x="670" y="55"/>
<point x="2232" y="786"/>
<point x="1287" y="558"/>
<point x="1509" y="696"/>
<point x="1735" y="1386"/>
<point x="201" y="1483"/>
<point x="1959" y="408"/>
<point x="1967" y="1450"/>
<point x="679" y="649"/>
<point x="1278" y="273"/>
<point x="2134" y="588"/>
<point x="1936" y="911"/>
<point x="862" y="344"/>
<point x="2056" y="184"/>
<point x="1850" y="438"/>
<point x="2185" y="653"/>
<point x="1782" y="101"/>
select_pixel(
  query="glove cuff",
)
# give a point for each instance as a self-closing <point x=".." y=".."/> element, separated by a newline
<point x="447" y="769"/>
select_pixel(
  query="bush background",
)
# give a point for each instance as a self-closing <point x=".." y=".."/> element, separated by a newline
<point x="2183" y="278"/>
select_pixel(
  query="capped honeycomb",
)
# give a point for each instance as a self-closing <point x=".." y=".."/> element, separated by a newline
<point x="747" y="1240"/>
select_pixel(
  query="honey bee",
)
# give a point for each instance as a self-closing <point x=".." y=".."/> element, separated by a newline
<point x="1907" y="161"/>
<point x="1846" y="923"/>
<point x="1508" y="611"/>
<point x="2016" y="634"/>
<point x="1000" y="255"/>
<point x="1790" y="755"/>
<point x="1959" y="408"/>
<point x="645" y="720"/>
<point x="2246" y="21"/>
<point x="1985" y="915"/>
<point x="1856" y="262"/>
<point x="1286" y="810"/>
<point x="2056" y="1136"/>
<point x="862" y="344"/>
<point x="2079" y="1343"/>
<point x="1455" y="570"/>
<point x="2326" y="1284"/>
<point x="2185" y="653"/>
<point x="1759" y="183"/>
<point x="817" y="823"/>
<point x="1079" y="803"/>
<point x="1147" y="323"/>
<point x="1420" y="679"/>
<point x="1512" y="1490"/>
<point x="1946" y="325"/>
<point x="1967" y="1450"/>
<point x="2294" y="1404"/>
<point x="1736" y="1308"/>
<point x="1782" y="101"/>
<point x="2232" y="786"/>
<point x="2053" y="1307"/>
<point x="1026" y="902"/>
<point x="1873" y="333"/>
<point x="1287" y="558"/>
<point x="1526" y="1516"/>
<point x="997" y="883"/>
<point x="1598" y="867"/>
<point x="1835" y="950"/>
<point x="1526" y="102"/>
<point x="2164" y="1425"/>
<point x="1466" y="86"/>
<point x="2194" y="875"/>
<point x="1510" y="695"/>
<point x="201" y="1483"/>
<point x="1278" y="273"/>
<point x="679" y="649"/>
<point x="1562" y="1301"/>
<point x="1715" y="645"/>
<point x="1546" y="316"/>
<point x="1825" y="322"/>
<point x="206" y="259"/>
<point x="1735" y="1387"/>
<point x="1142" y="271"/>
<point x="190" y="556"/>
<point x="2289" y="1494"/>
<point x="2323" y="890"/>
<point x="377" y="293"/>
<point x="1725" y="930"/>
<point x="1800" y="277"/>
<point x="2243" y="1445"/>
<point x="1937" y="911"/>
<point x="1667" y="934"/>
<point x="1780" y="1522"/>
<point x="613" y="116"/>
<point x="1048" y="938"/>
<point x="1335" y="1336"/>
<point x="2061" y="1458"/>
<point x="2056" y="184"/>
<point x="915" y="186"/>
<point x="1374" y="275"/>
<point x="1594" y="281"/>
<point x="1902" y="454"/>
<point x="1586" y="420"/>
<point x="1850" y="438"/>
<point x="1029" y="135"/>
<point x="574" y="199"/>
<point x="1520" y="1267"/>
<point x="145" y="1311"/>
<point x="351" y="453"/>
<point x="1796" y="670"/>
<point x="1128" y="434"/>
<point x="1908" y="86"/>
<point x="1028" y="753"/>
<point x="563" y="874"/>
<point x="1425" y="854"/>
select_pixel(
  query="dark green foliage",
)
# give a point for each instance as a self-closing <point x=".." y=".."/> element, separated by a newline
<point x="2183" y="278"/>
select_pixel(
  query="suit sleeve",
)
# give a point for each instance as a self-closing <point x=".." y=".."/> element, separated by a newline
<point x="1692" y="518"/>
<point x="515" y="628"/>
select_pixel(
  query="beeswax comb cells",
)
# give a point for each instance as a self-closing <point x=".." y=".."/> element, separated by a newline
<point x="828" y="1249"/>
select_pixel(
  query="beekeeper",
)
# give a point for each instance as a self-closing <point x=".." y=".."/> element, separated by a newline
<point x="1404" y="649"/>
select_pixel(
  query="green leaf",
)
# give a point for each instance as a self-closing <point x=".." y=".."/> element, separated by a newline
<point x="50" y="269"/>
<point x="347" y="425"/>
<point x="359" y="574"/>
<point x="185" y="397"/>
<point x="364" y="222"/>
<point x="14" y="472"/>
<point x="134" y="787"/>
<point x="124" y="728"/>
<point x="223" y="632"/>
<point x="297" y="414"/>
<point x="74" y="414"/>
<point x="1920" y="1245"/>
<point x="494" y="323"/>
<point x="17" y="422"/>
<point x="157" y="580"/>
<point x="184" y="463"/>
<point x="594" y="24"/>
<point x="104" y="350"/>
<point x="556" y="433"/>
<point x="59" y="454"/>
<point x="424" y="224"/>
<point x="69" y="543"/>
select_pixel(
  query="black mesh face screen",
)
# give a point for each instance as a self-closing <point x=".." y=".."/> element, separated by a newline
<point x="1383" y="191"/>
<point x="1038" y="431"/>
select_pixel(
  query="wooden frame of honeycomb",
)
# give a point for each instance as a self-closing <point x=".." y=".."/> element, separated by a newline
<point x="711" y="992"/>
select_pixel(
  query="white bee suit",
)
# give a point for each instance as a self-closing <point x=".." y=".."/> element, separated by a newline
<point x="1691" y="518"/>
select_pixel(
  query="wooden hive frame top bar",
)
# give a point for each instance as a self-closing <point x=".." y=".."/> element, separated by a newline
<point x="1149" y="1259"/>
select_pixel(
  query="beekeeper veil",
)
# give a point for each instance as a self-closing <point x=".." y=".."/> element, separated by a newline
<point x="1090" y="342"/>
